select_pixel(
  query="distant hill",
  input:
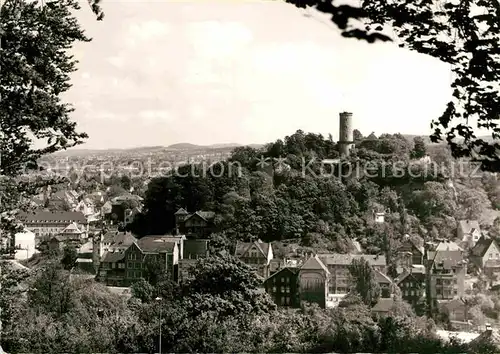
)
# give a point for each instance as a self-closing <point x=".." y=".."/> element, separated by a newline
<point x="147" y="149"/>
<point x="188" y="146"/>
<point x="183" y="146"/>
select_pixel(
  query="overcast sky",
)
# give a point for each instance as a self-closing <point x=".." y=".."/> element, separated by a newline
<point x="159" y="73"/>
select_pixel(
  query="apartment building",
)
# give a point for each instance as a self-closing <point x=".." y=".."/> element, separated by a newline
<point x="448" y="269"/>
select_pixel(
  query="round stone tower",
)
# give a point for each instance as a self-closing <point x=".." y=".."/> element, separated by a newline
<point x="346" y="139"/>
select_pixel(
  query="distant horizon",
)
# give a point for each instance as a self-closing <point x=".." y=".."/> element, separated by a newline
<point x="228" y="144"/>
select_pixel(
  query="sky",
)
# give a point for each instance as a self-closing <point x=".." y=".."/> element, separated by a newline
<point x="159" y="73"/>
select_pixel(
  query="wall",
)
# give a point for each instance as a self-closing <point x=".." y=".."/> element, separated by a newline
<point x="313" y="287"/>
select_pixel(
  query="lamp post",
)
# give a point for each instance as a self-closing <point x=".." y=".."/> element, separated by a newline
<point x="158" y="299"/>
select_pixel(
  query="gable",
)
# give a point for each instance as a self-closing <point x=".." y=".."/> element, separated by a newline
<point x="134" y="249"/>
<point x="195" y="220"/>
<point x="254" y="251"/>
<point x="492" y="249"/>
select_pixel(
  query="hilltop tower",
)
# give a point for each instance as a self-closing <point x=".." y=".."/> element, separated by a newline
<point x="346" y="139"/>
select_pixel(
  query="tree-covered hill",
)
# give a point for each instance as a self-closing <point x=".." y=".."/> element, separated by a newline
<point x="283" y="191"/>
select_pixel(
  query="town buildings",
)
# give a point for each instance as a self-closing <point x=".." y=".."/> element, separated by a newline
<point x="45" y="224"/>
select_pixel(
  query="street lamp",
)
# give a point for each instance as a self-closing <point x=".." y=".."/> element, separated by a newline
<point x="158" y="299"/>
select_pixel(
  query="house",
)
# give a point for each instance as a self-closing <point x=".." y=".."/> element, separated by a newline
<point x="196" y="225"/>
<point x="256" y="254"/>
<point x="85" y="260"/>
<point x="385" y="283"/>
<point x="24" y="244"/>
<point x="283" y="287"/>
<point x="314" y="279"/>
<point x="412" y="285"/>
<point x="468" y="233"/>
<point x="45" y="224"/>
<point x="338" y="266"/>
<point x="115" y="241"/>
<point x="486" y="255"/>
<point x="448" y="269"/>
<point x="150" y="249"/>
<point x="192" y="250"/>
<point x="383" y="306"/>
<point x="409" y="253"/>
<point x="112" y="268"/>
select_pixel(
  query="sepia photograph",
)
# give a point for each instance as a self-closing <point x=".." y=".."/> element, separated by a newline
<point x="249" y="176"/>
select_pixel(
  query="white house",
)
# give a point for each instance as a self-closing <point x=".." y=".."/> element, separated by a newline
<point x="24" y="242"/>
<point x="468" y="233"/>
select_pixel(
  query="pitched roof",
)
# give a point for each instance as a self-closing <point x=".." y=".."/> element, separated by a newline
<point x="468" y="226"/>
<point x="112" y="257"/>
<point x="382" y="278"/>
<point x="244" y="247"/>
<point x="447" y="259"/>
<point x="61" y="216"/>
<point x="417" y="274"/>
<point x="315" y="263"/>
<point x="72" y="229"/>
<point x="448" y="246"/>
<point x="205" y="215"/>
<point x="181" y="211"/>
<point x="119" y="239"/>
<point x="383" y="305"/>
<point x="346" y="259"/>
<point x="155" y="244"/>
<point x="292" y="270"/>
<point x="482" y="246"/>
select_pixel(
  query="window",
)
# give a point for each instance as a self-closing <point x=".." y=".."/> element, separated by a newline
<point x="287" y="300"/>
<point x="282" y="301"/>
<point x="287" y="290"/>
<point x="274" y="289"/>
<point x="282" y="289"/>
